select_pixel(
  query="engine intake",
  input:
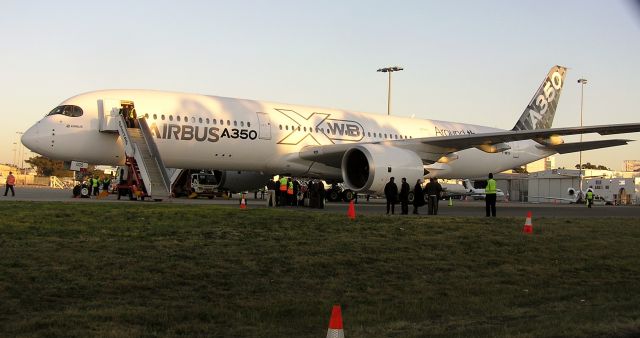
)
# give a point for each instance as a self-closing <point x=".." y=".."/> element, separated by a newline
<point x="368" y="167"/>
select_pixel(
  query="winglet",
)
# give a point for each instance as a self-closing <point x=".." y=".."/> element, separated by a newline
<point x="542" y="108"/>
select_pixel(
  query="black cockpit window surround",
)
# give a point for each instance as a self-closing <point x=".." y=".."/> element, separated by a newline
<point x="67" y="110"/>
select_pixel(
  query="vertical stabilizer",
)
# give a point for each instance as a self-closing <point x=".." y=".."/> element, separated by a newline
<point x="542" y="108"/>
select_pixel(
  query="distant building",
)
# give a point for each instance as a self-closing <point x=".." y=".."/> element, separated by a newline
<point x="546" y="163"/>
<point x="631" y="165"/>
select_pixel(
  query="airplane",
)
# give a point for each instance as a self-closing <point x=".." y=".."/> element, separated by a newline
<point x="575" y="196"/>
<point x="479" y="193"/>
<point x="255" y="140"/>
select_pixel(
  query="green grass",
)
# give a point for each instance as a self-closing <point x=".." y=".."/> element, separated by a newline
<point x="121" y="270"/>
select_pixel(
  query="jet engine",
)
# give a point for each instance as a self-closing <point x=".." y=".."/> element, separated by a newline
<point x="368" y="167"/>
<point x="237" y="181"/>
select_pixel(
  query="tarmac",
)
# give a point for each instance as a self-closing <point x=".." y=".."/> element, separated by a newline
<point x="374" y="207"/>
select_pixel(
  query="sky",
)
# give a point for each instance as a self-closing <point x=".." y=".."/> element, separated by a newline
<point x="477" y="62"/>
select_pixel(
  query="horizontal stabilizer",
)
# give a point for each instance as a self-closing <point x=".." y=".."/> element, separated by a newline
<point x="589" y="145"/>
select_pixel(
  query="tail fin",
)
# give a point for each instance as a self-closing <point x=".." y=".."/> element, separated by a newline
<point x="542" y="108"/>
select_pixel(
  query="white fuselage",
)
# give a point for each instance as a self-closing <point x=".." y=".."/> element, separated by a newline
<point x="199" y="131"/>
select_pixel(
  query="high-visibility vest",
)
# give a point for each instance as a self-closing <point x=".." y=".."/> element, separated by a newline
<point x="290" y="190"/>
<point x="11" y="180"/>
<point x="283" y="184"/>
<point x="589" y="195"/>
<point x="94" y="182"/>
<point x="491" y="186"/>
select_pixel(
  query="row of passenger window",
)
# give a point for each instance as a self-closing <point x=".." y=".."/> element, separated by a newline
<point x="206" y="120"/>
<point x="328" y="131"/>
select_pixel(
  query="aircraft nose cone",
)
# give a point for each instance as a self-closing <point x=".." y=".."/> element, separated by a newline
<point x="32" y="140"/>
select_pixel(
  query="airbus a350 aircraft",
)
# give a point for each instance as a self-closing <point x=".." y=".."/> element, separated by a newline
<point x="255" y="137"/>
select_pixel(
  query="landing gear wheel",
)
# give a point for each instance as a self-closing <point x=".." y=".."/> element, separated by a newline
<point x="349" y="195"/>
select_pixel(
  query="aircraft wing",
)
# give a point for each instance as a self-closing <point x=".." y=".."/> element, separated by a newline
<point x="565" y="148"/>
<point x="430" y="149"/>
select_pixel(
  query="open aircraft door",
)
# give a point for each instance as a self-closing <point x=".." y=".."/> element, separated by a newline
<point x="108" y="110"/>
<point x="265" y="126"/>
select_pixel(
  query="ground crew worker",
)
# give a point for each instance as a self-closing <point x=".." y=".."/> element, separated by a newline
<point x="404" y="196"/>
<point x="10" y="183"/>
<point x="283" y="191"/>
<point x="96" y="186"/>
<point x="290" y="196"/>
<point x="106" y="182"/>
<point x="490" y="196"/>
<point x="132" y="117"/>
<point x="589" y="198"/>
<point x="391" y="194"/>
<point x="90" y="185"/>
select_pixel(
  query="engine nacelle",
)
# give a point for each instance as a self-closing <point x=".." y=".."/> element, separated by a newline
<point x="368" y="167"/>
<point x="237" y="181"/>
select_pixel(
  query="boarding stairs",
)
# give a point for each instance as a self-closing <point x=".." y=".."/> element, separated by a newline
<point x="144" y="158"/>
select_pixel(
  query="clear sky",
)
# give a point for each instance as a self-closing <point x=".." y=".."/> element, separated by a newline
<point x="467" y="61"/>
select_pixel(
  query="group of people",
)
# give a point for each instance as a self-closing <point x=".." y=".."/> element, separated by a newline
<point x="95" y="184"/>
<point x="290" y="192"/>
<point x="432" y="191"/>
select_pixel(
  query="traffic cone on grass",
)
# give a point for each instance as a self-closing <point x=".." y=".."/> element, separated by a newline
<point x="335" y="323"/>
<point x="450" y="201"/>
<point x="528" y="226"/>
<point x="243" y="203"/>
<point x="351" y="213"/>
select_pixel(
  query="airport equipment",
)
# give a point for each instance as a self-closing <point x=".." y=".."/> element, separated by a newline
<point x="146" y="170"/>
<point x="351" y="213"/>
<point x="528" y="226"/>
<point x="243" y="202"/>
<point x="335" y="323"/>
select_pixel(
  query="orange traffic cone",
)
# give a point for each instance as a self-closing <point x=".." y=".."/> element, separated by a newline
<point x="335" y="323"/>
<point x="351" y="213"/>
<point x="528" y="226"/>
<point x="243" y="203"/>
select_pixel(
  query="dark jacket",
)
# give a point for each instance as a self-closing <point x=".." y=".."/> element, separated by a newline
<point x="418" y="195"/>
<point x="391" y="192"/>
<point x="433" y="188"/>
<point x="404" y="191"/>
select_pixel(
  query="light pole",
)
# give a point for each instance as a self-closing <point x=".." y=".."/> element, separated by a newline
<point x="582" y="82"/>
<point x="21" y="150"/>
<point x="389" y="70"/>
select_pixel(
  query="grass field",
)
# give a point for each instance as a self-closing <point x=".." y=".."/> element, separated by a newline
<point x="121" y="270"/>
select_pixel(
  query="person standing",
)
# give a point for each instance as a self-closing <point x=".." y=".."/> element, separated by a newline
<point x="418" y="196"/>
<point x="391" y="194"/>
<point x="10" y="183"/>
<point x="490" y="196"/>
<point x="96" y="186"/>
<point x="283" y="191"/>
<point x="433" y="191"/>
<point x="589" y="198"/>
<point x="404" y="196"/>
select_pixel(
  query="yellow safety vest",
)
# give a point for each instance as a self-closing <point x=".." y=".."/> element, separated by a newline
<point x="283" y="184"/>
<point x="491" y="186"/>
<point x="290" y="190"/>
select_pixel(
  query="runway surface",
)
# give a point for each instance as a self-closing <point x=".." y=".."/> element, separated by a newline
<point x="373" y="207"/>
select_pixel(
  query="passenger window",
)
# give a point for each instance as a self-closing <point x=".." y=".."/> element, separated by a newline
<point x="286" y="127"/>
<point x="248" y="124"/>
<point x="171" y="118"/>
<point x="207" y="120"/>
<point x="146" y="116"/>
<point x="228" y="122"/>
<point x="305" y="128"/>
<point x="162" y="117"/>
<point x="241" y="123"/>
<point x="155" y="117"/>
<point x="200" y="120"/>
<point x="235" y="123"/>
<point x="214" y="121"/>
<point x="280" y="127"/>
<point x="177" y="118"/>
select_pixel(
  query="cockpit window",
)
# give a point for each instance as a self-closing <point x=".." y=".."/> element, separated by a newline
<point x="72" y="111"/>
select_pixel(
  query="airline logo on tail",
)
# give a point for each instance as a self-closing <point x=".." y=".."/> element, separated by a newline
<point x="542" y="108"/>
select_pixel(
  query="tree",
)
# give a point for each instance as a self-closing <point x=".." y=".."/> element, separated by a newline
<point x="48" y="167"/>
<point x="588" y="165"/>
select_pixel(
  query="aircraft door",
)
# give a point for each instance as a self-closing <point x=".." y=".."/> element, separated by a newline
<point x="264" y="132"/>
<point x="108" y="110"/>
<point x="515" y="149"/>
